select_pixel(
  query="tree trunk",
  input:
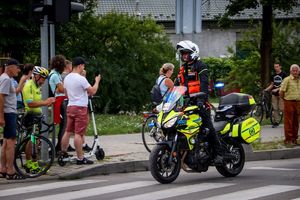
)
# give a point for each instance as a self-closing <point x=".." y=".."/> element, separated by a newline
<point x="266" y="45"/>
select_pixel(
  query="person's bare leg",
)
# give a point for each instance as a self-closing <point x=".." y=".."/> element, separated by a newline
<point x="10" y="155"/>
<point x="65" y="141"/>
<point x="78" y="142"/>
<point x="3" y="157"/>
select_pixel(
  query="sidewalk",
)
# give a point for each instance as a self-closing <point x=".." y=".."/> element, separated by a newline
<point x="126" y="153"/>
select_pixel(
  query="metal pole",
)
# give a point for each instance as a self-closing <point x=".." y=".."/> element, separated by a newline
<point x="52" y="54"/>
<point x="44" y="63"/>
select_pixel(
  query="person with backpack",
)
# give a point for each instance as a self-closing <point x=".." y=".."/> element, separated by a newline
<point x="194" y="75"/>
<point x="56" y="89"/>
<point x="163" y="84"/>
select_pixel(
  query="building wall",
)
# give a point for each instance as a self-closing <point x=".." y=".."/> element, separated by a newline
<point x="212" y="43"/>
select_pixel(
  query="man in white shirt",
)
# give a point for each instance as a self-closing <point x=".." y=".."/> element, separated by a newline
<point x="77" y="89"/>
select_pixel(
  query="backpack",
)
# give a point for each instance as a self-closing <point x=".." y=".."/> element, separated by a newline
<point x="156" y="96"/>
<point x="50" y="93"/>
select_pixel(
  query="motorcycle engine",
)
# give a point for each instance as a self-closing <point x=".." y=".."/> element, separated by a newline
<point x="198" y="159"/>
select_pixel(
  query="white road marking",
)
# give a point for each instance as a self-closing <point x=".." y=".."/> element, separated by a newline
<point x="43" y="187"/>
<point x="181" y="190"/>
<point x="255" y="192"/>
<point x="273" y="168"/>
<point x="96" y="191"/>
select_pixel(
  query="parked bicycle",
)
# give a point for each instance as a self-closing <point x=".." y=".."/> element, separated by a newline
<point x="151" y="133"/>
<point x="264" y="109"/>
<point x="35" y="153"/>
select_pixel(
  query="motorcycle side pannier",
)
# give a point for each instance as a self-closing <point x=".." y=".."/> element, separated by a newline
<point x="242" y="103"/>
<point x="248" y="131"/>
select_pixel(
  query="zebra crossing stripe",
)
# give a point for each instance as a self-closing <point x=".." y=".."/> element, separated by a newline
<point x="47" y="186"/>
<point x="274" y="168"/>
<point x="182" y="190"/>
<point x="255" y="192"/>
<point x="96" y="191"/>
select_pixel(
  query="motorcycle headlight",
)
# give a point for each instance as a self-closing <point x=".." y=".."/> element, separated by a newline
<point x="170" y="123"/>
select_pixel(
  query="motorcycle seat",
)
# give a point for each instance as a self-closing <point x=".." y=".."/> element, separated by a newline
<point x="220" y="125"/>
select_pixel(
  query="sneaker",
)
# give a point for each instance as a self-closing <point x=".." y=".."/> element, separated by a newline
<point x="33" y="167"/>
<point x="84" y="161"/>
<point x="70" y="149"/>
<point x="87" y="148"/>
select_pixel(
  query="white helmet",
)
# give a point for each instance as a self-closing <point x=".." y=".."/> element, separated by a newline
<point x="189" y="47"/>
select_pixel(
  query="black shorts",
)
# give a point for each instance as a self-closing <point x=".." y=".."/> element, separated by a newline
<point x="10" y="128"/>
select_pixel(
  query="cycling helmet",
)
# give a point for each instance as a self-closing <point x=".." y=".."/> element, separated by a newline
<point x="43" y="72"/>
<point x="186" y="46"/>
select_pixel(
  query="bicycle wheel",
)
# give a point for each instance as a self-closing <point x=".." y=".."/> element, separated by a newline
<point x="258" y="112"/>
<point x="150" y="133"/>
<point x="273" y="121"/>
<point x="33" y="162"/>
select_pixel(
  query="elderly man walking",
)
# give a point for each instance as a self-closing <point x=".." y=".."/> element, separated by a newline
<point x="290" y="92"/>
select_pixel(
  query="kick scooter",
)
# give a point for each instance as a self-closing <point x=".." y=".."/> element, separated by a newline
<point x="96" y="149"/>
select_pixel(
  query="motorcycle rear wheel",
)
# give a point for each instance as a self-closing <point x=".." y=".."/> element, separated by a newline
<point x="236" y="165"/>
<point x="161" y="170"/>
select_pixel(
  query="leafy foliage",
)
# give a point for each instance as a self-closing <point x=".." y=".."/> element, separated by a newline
<point x="245" y="68"/>
<point x="286" y="44"/>
<point x="235" y="6"/>
<point x="128" y="53"/>
<point x="18" y="33"/>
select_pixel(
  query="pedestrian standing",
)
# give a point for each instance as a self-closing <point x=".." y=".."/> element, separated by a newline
<point x="77" y="89"/>
<point x="8" y="119"/>
<point x="290" y="92"/>
<point x="277" y="101"/>
<point x="57" y="65"/>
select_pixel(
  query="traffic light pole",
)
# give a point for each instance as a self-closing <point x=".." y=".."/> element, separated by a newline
<point x="44" y="62"/>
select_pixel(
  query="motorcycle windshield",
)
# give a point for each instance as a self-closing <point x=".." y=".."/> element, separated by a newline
<point x="172" y="97"/>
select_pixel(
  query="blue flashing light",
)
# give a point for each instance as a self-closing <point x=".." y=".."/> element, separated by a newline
<point x="219" y="85"/>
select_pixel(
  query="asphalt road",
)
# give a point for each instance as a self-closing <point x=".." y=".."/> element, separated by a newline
<point x="271" y="179"/>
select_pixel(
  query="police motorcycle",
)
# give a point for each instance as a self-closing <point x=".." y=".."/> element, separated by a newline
<point x="187" y="144"/>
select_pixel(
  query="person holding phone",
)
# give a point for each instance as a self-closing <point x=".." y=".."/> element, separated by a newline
<point x="77" y="89"/>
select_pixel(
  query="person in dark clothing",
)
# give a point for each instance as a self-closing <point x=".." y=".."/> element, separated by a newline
<point x="194" y="75"/>
<point x="277" y="102"/>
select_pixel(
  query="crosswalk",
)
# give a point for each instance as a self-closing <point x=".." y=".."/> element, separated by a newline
<point x="136" y="190"/>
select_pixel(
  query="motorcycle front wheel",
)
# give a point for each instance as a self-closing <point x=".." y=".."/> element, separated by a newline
<point x="233" y="167"/>
<point x="161" y="168"/>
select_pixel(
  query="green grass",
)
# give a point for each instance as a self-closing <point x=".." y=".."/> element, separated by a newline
<point x="116" y="124"/>
<point x="278" y="144"/>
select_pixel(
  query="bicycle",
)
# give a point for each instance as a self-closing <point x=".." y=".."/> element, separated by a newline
<point x="35" y="154"/>
<point x="264" y="108"/>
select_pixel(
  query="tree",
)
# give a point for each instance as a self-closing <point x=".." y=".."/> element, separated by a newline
<point x="18" y="33"/>
<point x="245" y="68"/>
<point x="235" y="6"/>
<point x="127" y="51"/>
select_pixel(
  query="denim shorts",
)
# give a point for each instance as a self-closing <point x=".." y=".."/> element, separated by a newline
<point x="10" y="128"/>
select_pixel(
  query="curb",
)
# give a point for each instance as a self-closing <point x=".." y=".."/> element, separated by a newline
<point x="105" y="169"/>
<point x="142" y="165"/>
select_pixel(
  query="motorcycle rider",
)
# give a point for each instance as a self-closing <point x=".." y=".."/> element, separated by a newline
<point x="194" y="75"/>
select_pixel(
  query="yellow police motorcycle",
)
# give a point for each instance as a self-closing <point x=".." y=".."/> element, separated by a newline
<point x="187" y="144"/>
